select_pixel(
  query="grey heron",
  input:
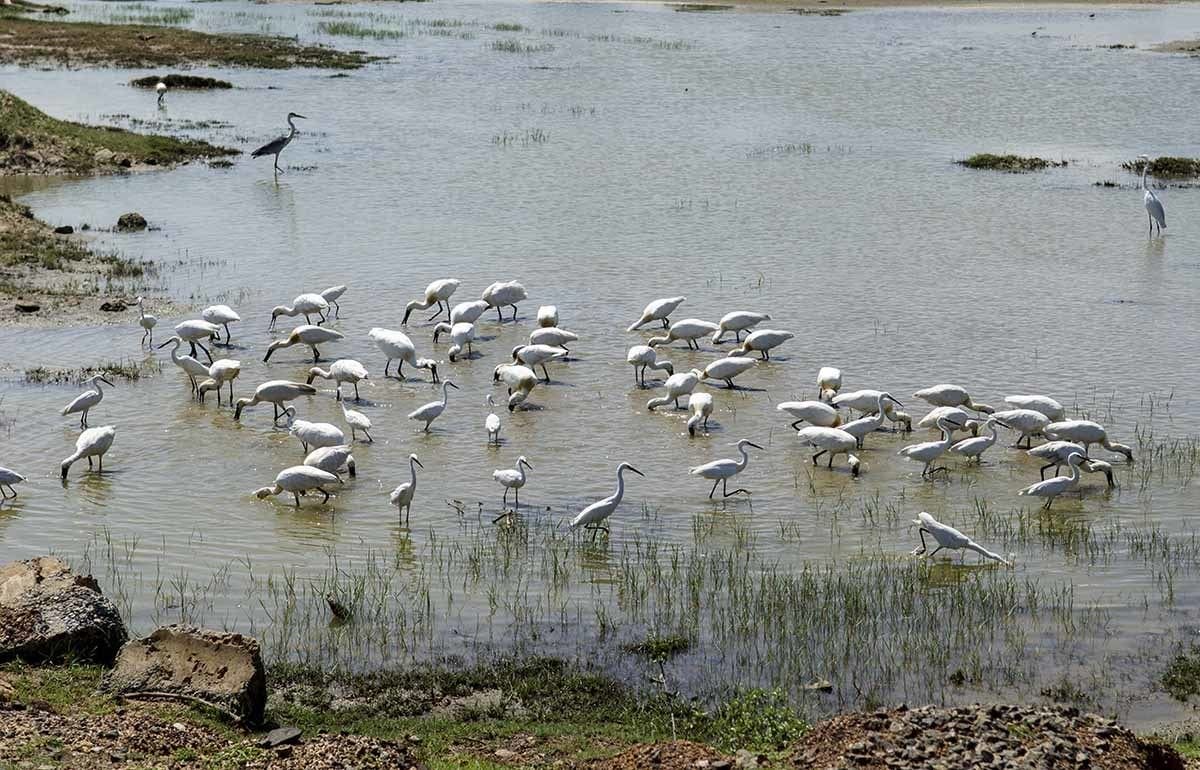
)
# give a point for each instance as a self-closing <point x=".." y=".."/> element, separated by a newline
<point x="276" y="146"/>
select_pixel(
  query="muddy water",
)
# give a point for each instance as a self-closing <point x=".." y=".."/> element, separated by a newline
<point x="799" y="166"/>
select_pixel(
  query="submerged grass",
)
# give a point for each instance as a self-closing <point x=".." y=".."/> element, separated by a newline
<point x="1010" y="163"/>
<point x="1166" y="167"/>
<point x="354" y="29"/>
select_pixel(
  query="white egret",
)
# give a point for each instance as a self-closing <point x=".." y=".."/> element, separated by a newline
<point x="1026" y="422"/>
<point x="341" y="371"/>
<point x="468" y="312"/>
<point x="973" y="448"/>
<point x="461" y="335"/>
<point x="7" y="479"/>
<point x="948" y="537"/>
<point x="431" y="411"/>
<point x="701" y="407"/>
<point x="332" y="295"/>
<point x="537" y="355"/>
<point x="951" y="395"/>
<point x="299" y="479"/>
<point x="88" y="399"/>
<point x="194" y="331"/>
<point x="594" y="516"/>
<point x="1085" y="432"/>
<point x="813" y="412"/>
<point x="277" y="393"/>
<point x="688" y="330"/>
<point x="553" y="336"/>
<point x="927" y="452"/>
<point x="314" y="435"/>
<point x="397" y="346"/>
<point x="332" y="459"/>
<point x="1043" y="404"/>
<point x="658" y="310"/>
<point x="547" y="315"/>
<point x="644" y="357"/>
<point x="306" y="305"/>
<point x="762" y="341"/>
<point x="726" y="369"/>
<point x="224" y="370"/>
<point x="439" y="293"/>
<point x="221" y="315"/>
<point x="146" y="321"/>
<point x="514" y="479"/>
<point x="721" y="471"/>
<point x="677" y="385"/>
<point x="305" y="335"/>
<point x="737" y="322"/>
<point x="503" y="294"/>
<point x="833" y="441"/>
<point x="491" y="423"/>
<point x="1052" y="488"/>
<point x="190" y="366"/>
<point x="1154" y="208"/>
<point x="161" y="89"/>
<point x="829" y="382"/>
<point x="520" y="381"/>
<point x="357" y="421"/>
<point x="402" y="496"/>
<point x="93" y="442"/>
<point x="864" y="426"/>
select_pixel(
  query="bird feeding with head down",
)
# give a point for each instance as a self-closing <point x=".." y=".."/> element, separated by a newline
<point x="737" y="322"/>
<point x="299" y="479"/>
<point x="305" y="335"/>
<point x="763" y="342"/>
<point x="307" y="305"/>
<point x="1026" y="423"/>
<point x="437" y="293"/>
<point x="726" y="369"/>
<point x="951" y="395"/>
<point x="644" y="357"/>
<point x="314" y="435"/>
<point x="275" y="146"/>
<point x="341" y="371"/>
<point x="223" y="370"/>
<point x="948" y="537"/>
<point x="277" y="393"/>
<point x="194" y="331"/>
<point x="7" y="479"/>
<point x="93" y="442"/>
<point x="689" y="330"/>
<point x="502" y="294"/>
<point x="332" y="459"/>
<point x="553" y="337"/>
<point x="677" y="385"/>
<point x="520" y="381"/>
<point x="831" y="441"/>
<point x="721" y="471"/>
<point x="398" y="347"/>
<point x="813" y="412"/>
<point x="658" y="310"/>
<point x="547" y="315"/>
<point x="221" y="315"/>
<point x="594" y="516"/>
<point x="701" y="407"/>
<point x="1086" y="433"/>
<point x="534" y="356"/>
<point x="829" y="382"/>
<point x="88" y="399"/>
<point x="1043" y="404"/>
<point x="461" y="336"/>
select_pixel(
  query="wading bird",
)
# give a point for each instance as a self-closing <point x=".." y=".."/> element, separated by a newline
<point x="491" y="423"/>
<point x="1085" y="432"/>
<point x="397" y="346"/>
<point x="314" y="435"/>
<point x="93" y="442"/>
<point x="431" y="411"/>
<point x="829" y="382"/>
<point x="966" y="421"/>
<point x="552" y="336"/>
<point x="688" y="330"/>
<point x="813" y="412"/>
<point x="1043" y="404"/>
<point x="737" y="322"/>
<point x="468" y="312"/>
<point x="948" y="537"/>
<point x="701" y="407"/>
<point x="332" y="295"/>
<point x="402" y="496"/>
<point x="864" y="426"/>
<point x="928" y="451"/>
<point x="951" y="395"/>
<point x="357" y="421"/>
<point x="762" y="341"/>
<point x="275" y="146"/>
<point x="305" y="335"/>
<point x="277" y="393"/>
<point x="1154" y="208"/>
<point x="726" y="369"/>
<point x="658" y="310"/>
<point x="7" y="479"/>
<point x="437" y="293"/>
<point x="1052" y="488"/>
<point x="332" y="459"/>
<point x="676" y="385"/>
<point x="520" y="381"/>
<point x="1027" y="423"/>
<point x="833" y="441"/>
<point x="1056" y="453"/>
<point x="190" y="366"/>
<point x="307" y="305"/>
<point x="194" y="331"/>
<point x="221" y="315"/>
<point x="161" y="89"/>
<point x="341" y="371"/>
<point x="644" y="357"/>
<point x="721" y="471"/>
<point x="147" y="322"/>
<point x="514" y="479"/>
<point x="461" y="335"/>
<point x="223" y="370"/>
<point x="299" y="479"/>
<point x="547" y="316"/>
<point x="89" y="398"/>
<point x="537" y="355"/>
<point x="503" y="294"/>
<point x="973" y="448"/>
<point x="594" y="516"/>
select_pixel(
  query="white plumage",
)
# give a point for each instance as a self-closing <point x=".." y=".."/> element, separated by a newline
<point x="93" y="442"/>
<point x="737" y="322"/>
<point x="357" y="421"/>
<point x="277" y="393"/>
<point x="341" y="371"/>
<point x="594" y="516"/>
<point x="677" y="385"/>
<point x="689" y="330"/>
<point x="402" y="496"/>
<point x="431" y="411"/>
<point x="658" y="310"/>
<point x="299" y="479"/>
<point x="503" y="294"/>
<point x="221" y="315"/>
<point x="88" y="399"/>
<point x="701" y="407"/>
<point x="763" y="342"/>
<point x="948" y="537"/>
<point x="644" y="357"/>
<point x="398" y="347"/>
<point x="306" y="305"/>
<point x="720" y="471"/>
<point x="438" y="292"/>
<point x="305" y="335"/>
<point x="727" y="368"/>
<point x="461" y="336"/>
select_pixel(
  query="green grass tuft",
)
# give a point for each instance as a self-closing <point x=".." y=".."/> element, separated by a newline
<point x="1009" y="163"/>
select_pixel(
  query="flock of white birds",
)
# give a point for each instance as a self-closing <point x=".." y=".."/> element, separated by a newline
<point x="968" y="429"/>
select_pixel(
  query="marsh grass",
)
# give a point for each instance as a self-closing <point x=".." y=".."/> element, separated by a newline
<point x="355" y="29"/>
<point x="511" y="45"/>
<point x="140" y="13"/>
<point x="127" y="369"/>
<point x="1166" y="167"/>
<point x="1011" y="163"/>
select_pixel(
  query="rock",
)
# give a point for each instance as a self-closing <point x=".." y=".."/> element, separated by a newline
<point x="27" y="307"/>
<point x="504" y="753"/>
<point x="221" y="669"/>
<point x="131" y="222"/>
<point x="64" y="230"/>
<point x="104" y="156"/>
<point x="48" y="613"/>
<point x="279" y="736"/>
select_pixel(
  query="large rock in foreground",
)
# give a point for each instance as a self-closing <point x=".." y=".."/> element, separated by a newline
<point x="225" y="670"/>
<point x="50" y="614"/>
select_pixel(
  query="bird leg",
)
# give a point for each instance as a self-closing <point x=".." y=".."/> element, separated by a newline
<point x="935" y="550"/>
<point x="1046" y="507"/>
<point x="714" y="489"/>
<point x="818" y="455"/>
<point x="316" y="354"/>
<point x="438" y="313"/>
<point x="666" y="323"/>
<point x="499" y="317"/>
<point x="514" y="318"/>
<point x="830" y="466"/>
<point x="100" y="464"/>
<point x="729" y="383"/>
<point x="324" y="499"/>
<point x="545" y="372"/>
<point x="207" y="352"/>
<point x="356" y="396"/>
<point x="228" y="336"/>
<point x="922" y="547"/>
<point x="796" y="424"/>
<point x="323" y="318"/>
<point x="90" y="466"/>
<point x="278" y="170"/>
<point x="368" y="435"/>
<point x="337" y="309"/>
<point x="725" y="488"/>
<point x="1044" y="467"/>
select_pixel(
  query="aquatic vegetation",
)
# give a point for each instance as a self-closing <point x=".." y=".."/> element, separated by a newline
<point x="508" y="27"/>
<point x="354" y="29"/>
<point x="175" y="81"/>
<point x="702" y="7"/>
<point x="1166" y="167"/>
<point x="1010" y="163"/>
<point x="659" y="648"/>
<point x="164" y="16"/>
<point x="510" y="45"/>
<point x="820" y="11"/>
<point x="1181" y="678"/>
<point x="126" y="369"/>
<point x="531" y="136"/>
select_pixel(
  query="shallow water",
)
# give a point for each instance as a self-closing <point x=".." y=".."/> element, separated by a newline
<point x="800" y="166"/>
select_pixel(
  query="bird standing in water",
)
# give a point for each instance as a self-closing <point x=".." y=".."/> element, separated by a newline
<point x="275" y="146"/>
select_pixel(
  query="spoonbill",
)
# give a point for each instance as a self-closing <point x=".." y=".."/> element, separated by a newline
<point x="929" y="451"/>
<point x="7" y="479"/>
<point x="468" y="312"/>
<point x="965" y="420"/>
<point x="503" y="294"/>
<point x="829" y="382"/>
<point x="688" y="330"/>
<point x="552" y="336"/>
<point x="814" y="412"/>
<point x="537" y="355"/>
<point x="190" y="366"/>
<point x="299" y="479"/>
<point x="1026" y="422"/>
<point x="1056" y="452"/>
<point x="87" y="399"/>
<point x="93" y="442"/>
<point x="676" y="385"/>
<point x="737" y="322"/>
<point x="864" y="426"/>
<point x="948" y="537"/>
<point x="357" y="421"/>
<point x="317" y="434"/>
<point x="146" y="321"/>
<point x="658" y="310"/>
<point x="594" y="516"/>
<point x="547" y="315"/>
<point x="397" y="346"/>
<point x="763" y="341"/>
<point x="220" y="315"/>
<point x="461" y="335"/>
<point x="206" y="385"/>
<point x="1085" y="432"/>
<point x="306" y="305"/>
<point x="438" y="292"/>
<point x="277" y="393"/>
<point x="701" y="407"/>
<point x="514" y="479"/>
<point x="305" y="335"/>
<point x="726" y="369"/>
<point x="833" y="441"/>
<point x="402" y="496"/>
<point x="194" y="331"/>
<point x="1099" y="466"/>
<point x="721" y="471"/>
<point x="275" y="146"/>
<point x="224" y="370"/>
<point x="332" y="459"/>
<point x="161" y="89"/>
<point x="341" y="371"/>
<point x="332" y="295"/>
<point x="1154" y="208"/>
<point x="973" y="448"/>
<point x="1043" y="404"/>
<point x="951" y="395"/>
<point x="431" y="411"/>
<point x="491" y="423"/>
<point x="520" y="381"/>
<point x="1052" y="488"/>
<point x="644" y="357"/>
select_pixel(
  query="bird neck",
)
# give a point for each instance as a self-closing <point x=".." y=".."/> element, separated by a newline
<point x="1145" y="168"/>
<point x="745" y="457"/>
<point x="412" y="466"/>
<point x="620" y="486"/>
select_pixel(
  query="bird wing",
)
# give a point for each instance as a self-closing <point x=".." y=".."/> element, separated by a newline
<point x="1155" y="207"/>
<point x="270" y="148"/>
